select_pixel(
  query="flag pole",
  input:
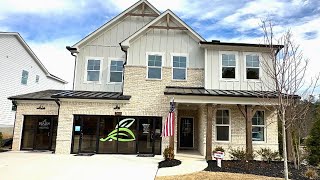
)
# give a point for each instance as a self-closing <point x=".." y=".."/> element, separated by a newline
<point x="171" y="138"/>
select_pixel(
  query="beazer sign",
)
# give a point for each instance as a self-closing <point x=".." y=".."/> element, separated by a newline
<point x="219" y="156"/>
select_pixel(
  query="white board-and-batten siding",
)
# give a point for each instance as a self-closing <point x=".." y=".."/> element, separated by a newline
<point x="213" y="70"/>
<point x="14" y="58"/>
<point x="166" y="42"/>
<point x="105" y="46"/>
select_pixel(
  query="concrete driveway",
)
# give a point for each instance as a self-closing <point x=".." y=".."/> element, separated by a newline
<point x="31" y="165"/>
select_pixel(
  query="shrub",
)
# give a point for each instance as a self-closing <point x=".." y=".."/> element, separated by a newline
<point x="311" y="174"/>
<point x="267" y="154"/>
<point x="313" y="144"/>
<point x="218" y="148"/>
<point x="168" y="153"/>
<point x="240" y="154"/>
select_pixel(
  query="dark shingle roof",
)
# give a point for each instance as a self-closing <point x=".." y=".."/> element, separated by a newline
<point x="91" y="95"/>
<point x="40" y="95"/>
<point x="200" y="91"/>
<point x="53" y="94"/>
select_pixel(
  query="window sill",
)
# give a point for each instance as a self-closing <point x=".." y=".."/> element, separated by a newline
<point x="147" y="79"/>
<point x="252" y="80"/>
<point x="92" y="82"/>
<point x="178" y="80"/>
<point x="258" y="142"/>
<point x="230" y="80"/>
<point x="111" y="83"/>
<point x="222" y="142"/>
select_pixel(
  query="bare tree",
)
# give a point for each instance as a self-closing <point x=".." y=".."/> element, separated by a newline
<point x="287" y="72"/>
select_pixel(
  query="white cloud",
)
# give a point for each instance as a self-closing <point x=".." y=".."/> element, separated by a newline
<point x="56" y="58"/>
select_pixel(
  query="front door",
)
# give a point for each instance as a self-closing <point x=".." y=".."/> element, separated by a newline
<point x="146" y="136"/>
<point x="186" y="133"/>
<point x="43" y="134"/>
<point x="39" y="132"/>
<point x="86" y="130"/>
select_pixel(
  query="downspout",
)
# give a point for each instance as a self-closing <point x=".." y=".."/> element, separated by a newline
<point x="125" y="62"/>
<point x="74" y="53"/>
<point x="14" y="103"/>
<point x="58" y="103"/>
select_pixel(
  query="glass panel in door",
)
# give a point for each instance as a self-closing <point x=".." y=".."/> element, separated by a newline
<point x="157" y="136"/>
<point x="145" y="133"/>
<point x="126" y="136"/>
<point x="43" y="136"/>
<point x="186" y="133"/>
<point x="76" y="134"/>
<point x="89" y="134"/>
<point x="107" y="135"/>
<point x="28" y="133"/>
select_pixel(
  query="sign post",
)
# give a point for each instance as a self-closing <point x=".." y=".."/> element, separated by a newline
<point x="219" y="156"/>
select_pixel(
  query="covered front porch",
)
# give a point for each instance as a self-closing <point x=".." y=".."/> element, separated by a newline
<point x="206" y="122"/>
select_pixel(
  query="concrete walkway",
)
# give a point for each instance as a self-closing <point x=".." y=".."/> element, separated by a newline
<point x="40" y="166"/>
<point x="190" y="163"/>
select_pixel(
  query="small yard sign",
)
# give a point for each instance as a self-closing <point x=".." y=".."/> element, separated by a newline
<point x="219" y="156"/>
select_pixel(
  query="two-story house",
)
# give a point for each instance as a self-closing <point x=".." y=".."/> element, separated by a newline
<point x="20" y="72"/>
<point x="126" y="74"/>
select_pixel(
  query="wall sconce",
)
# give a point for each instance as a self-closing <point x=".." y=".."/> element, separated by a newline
<point x="41" y="107"/>
<point x="117" y="107"/>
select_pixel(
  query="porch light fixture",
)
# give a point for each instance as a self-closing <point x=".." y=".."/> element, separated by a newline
<point x="117" y="107"/>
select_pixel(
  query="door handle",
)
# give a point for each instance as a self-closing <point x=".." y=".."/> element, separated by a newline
<point x="48" y="133"/>
<point x="81" y="135"/>
<point x="151" y="135"/>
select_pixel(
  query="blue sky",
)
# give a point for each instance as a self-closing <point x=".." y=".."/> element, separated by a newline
<point x="50" y="25"/>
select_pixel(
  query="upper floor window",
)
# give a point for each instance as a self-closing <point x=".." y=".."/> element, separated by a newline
<point x="179" y="67"/>
<point x="93" y="70"/>
<point x="228" y="66"/>
<point x="37" y="78"/>
<point x="258" y="126"/>
<point x="154" y="66"/>
<point x="116" y="70"/>
<point x="24" y="78"/>
<point x="252" y="67"/>
<point x="222" y="125"/>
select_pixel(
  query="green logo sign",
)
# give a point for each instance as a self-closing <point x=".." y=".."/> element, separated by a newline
<point x="121" y="132"/>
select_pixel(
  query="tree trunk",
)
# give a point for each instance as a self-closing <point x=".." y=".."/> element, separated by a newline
<point x="285" y="153"/>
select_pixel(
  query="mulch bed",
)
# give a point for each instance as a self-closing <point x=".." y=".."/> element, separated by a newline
<point x="272" y="169"/>
<point x="169" y="163"/>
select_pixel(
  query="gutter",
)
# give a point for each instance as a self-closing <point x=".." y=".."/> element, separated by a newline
<point x="58" y="103"/>
<point x="74" y="53"/>
<point x="125" y="63"/>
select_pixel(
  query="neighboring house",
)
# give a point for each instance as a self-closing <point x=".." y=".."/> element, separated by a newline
<point x="20" y="72"/>
<point x="129" y="69"/>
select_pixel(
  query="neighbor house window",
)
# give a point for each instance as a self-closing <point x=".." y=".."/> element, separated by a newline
<point x="222" y="125"/>
<point x="93" y="70"/>
<point x="258" y="126"/>
<point x="154" y="66"/>
<point x="116" y="70"/>
<point x="24" y="78"/>
<point x="179" y="68"/>
<point x="37" y="78"/>
<point x="228" y="66"/>
<point x="252" y="67"/>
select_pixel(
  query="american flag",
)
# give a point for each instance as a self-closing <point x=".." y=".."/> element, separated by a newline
<point x="168" y="127"/>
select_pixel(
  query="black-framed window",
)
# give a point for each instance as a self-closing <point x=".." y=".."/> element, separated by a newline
<point x="228" y="66"/>
<point x="252" y="67"/>
<point x="222" y="125"/>
<point x="258" y="126"/>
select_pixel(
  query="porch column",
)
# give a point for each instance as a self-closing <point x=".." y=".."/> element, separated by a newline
<point x="209" y="132"/>
<point x="249" y="131"/>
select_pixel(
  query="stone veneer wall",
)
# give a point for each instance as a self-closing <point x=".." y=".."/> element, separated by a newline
<point x="147" y="99"/>
<point x="238" y="131"/>
<point x="30" y="109"/>
<point x="202" y="116"/>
